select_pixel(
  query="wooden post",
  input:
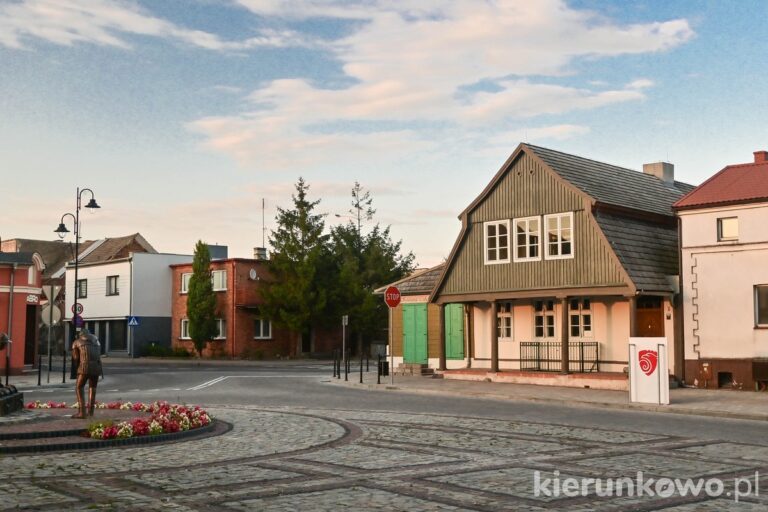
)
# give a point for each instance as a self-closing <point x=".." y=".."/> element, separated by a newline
<point x="469" y="332"/>
<point x="633" y="316"/>
<point x="441" y="350"/>
<point x="495" y="338"/>
<point x="564" y="336"/>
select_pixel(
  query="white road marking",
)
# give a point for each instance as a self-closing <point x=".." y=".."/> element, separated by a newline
<point x="206" y="384"/>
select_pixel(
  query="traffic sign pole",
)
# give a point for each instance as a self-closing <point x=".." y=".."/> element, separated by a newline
<point x="392" y="298"/>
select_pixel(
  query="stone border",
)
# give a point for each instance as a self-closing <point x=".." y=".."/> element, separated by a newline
<point x="96" y="444"/>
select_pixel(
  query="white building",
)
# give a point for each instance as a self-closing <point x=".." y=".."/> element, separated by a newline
<point x="112" y="292"/>
<point x="724" y="227"/>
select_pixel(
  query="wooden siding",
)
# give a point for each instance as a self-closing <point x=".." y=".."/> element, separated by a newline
<point x="397" y="331"/>
<point x="528" y="189"/>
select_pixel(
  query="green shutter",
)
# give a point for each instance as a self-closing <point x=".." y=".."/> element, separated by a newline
<point x="415" y="333"/>
<point x="454" y="331"/>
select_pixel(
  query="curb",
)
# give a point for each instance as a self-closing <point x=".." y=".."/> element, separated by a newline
<point x="577" y="403"/>
<point x="95" y="445"/>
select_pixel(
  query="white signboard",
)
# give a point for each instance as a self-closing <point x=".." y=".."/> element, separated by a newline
<point x="648" y="375"/>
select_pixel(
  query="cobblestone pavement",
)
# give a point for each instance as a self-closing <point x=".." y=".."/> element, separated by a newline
<point x="333" y="460"/>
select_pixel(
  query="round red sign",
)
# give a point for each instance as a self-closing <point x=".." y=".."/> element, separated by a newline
<point x="392" y="296"/>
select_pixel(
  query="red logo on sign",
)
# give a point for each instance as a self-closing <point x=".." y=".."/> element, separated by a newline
<point x="648" y="361"/>
<point x="392" y="296"/>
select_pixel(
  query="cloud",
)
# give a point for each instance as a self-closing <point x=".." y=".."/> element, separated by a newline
<point x="411" y="64"/>
<point x="554" y="132"/>
<point x="105" y="22"/>
<point x="641" y="83"/>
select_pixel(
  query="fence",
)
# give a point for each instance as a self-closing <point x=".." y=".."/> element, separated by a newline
<point x="546" y="356"/>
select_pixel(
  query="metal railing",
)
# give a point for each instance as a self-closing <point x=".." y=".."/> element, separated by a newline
<point x="546" y="356"/>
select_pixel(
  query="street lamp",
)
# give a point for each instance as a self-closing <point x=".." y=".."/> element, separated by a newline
<point x="62" y="231"/>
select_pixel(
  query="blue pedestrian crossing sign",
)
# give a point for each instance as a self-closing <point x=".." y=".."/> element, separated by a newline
<point x="133" y="321"/>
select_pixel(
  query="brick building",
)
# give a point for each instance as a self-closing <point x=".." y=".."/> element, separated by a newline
<point x="243" y="331"/>
<point x="20" y="292"/>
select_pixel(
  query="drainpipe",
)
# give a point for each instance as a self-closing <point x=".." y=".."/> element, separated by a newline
<point x="10" y="301"/>
<point x="234" y="307"/>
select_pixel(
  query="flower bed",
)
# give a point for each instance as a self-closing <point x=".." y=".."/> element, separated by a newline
<point x="163" y="418"/>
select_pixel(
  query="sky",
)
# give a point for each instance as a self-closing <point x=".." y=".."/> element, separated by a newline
<point x="182" y="115"/>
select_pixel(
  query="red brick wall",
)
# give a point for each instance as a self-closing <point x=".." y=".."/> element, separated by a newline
<point x="19" y="321"/>
<point x="238" y="306"/>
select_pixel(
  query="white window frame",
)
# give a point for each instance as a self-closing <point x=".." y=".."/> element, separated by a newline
<point x="720" y="237"/>
<point x="116" y="291"/>
<point x="223" y="274"/>
<point x="545" y="230"/>
<point x="32" y="275"/>
<point x="504" y="316"/>
<point x="221" y="324"/>
<point x="547" y="316"/>
<point x="583" y="309"/>
<point x="258" y="334"/>
<point x="497" y="223"/>
<point x="528" y="244"/>
<point x="757" y="306"/>
<point x="185" y="277"/>
<point x="184" y="329"/>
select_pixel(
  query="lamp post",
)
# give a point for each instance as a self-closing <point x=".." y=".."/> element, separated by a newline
<point x="62" y="232"/>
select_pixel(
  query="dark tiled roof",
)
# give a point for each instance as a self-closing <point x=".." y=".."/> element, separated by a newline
<point x="647" y="250"/>
<point x="614" y="185"/>
<point x="110" y="248"/>
<point x="21" y="258"/>
<point x="732" y="185"/>
<point x="55" y="253"/>
<point x="421" y="282"/>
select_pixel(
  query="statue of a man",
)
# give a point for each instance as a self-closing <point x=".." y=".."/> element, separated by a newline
<point x="86" y="355"/>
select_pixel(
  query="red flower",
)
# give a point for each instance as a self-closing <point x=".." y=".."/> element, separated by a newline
<point x="110" y="432"/>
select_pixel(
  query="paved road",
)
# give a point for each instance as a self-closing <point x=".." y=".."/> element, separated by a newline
<point x="299" y="443"/>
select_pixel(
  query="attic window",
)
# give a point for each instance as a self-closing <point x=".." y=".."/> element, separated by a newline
<point x="559" y="236"/>
<point x="496" y="242"/>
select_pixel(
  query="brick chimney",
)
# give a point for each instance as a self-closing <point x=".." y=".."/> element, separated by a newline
<point x="665" y="171"/>
<point x="761" y="157"/>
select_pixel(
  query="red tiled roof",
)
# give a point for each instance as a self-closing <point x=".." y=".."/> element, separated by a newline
<point x="742" y="183"/>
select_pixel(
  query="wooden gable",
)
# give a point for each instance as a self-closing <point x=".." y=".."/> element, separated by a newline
<point x="525" y="188"/>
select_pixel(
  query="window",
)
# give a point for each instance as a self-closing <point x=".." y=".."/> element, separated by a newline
<point x="222" y="326"/>
<point x="504" y="321"/>
<point x="497" y="242"/>
<point x="727" y="229"/>
<point x="112" y="288"/>
<point x="262" y="329"/>
<point x="82" y="289"/>
<point x="184" y="329"/>
<point x="761" y="305"/>
<point x="544" y="319"/>
<point x="31" y="275"/>
<point x="527" y="239"/>
<point x="559" y="228"/>
<point x="580" y="318"/>
<point x="219" y="278"/>
<point x="185" y="281"/>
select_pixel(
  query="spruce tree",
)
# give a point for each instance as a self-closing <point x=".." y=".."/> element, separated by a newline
<point x="366" y="261"/>
<point x="302" y="272"/>
<point x="201" y="300"/>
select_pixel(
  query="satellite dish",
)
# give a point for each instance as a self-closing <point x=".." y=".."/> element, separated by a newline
<point x="253" y="275"/>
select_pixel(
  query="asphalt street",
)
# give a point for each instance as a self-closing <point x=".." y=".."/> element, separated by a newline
<point x="307" y="385"/>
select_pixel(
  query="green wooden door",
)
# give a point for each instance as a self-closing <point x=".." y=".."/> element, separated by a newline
<point x="415" y="333"/>
<point x="454" y="331"/>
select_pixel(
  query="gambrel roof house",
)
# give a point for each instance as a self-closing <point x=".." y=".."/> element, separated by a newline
<point x="632" y="211"/>
<point x="559" y="261"/>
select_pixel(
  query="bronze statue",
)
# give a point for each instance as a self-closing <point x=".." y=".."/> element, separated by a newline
<point x="86" y="355"/>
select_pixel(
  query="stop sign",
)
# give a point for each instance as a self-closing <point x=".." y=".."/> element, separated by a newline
<point x="392" y="296"/>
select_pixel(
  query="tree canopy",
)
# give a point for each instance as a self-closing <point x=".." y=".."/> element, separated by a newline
<point x="201" y="299"/>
